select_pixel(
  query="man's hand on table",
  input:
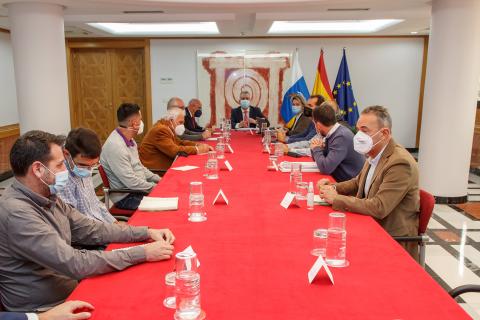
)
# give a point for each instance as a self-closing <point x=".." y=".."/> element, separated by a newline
<point x="158" y="250"/>
<point x="328" y="193"/>
<point x="68" y="310"/>
<point x="161" y="235"/>
<point x="206" y="134"/>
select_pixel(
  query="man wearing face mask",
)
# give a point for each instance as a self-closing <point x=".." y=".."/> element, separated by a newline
<point x="334" y="154"/>
<point x="82" y="153"/>
<point x="161" y="145"/>
<point x="245" y="116"/>
<point x="121" y="162"/>
<point x="39" y="267"/>
<point x="192" y="111"/>
<point x="387" y="186"/>
<point x="188" y="134"/>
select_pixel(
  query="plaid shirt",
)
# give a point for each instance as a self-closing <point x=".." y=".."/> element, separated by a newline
<point x="80" y="194"/>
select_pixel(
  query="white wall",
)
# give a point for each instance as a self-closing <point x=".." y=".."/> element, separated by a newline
<point x="8" y="96"/>
<point x="384" y="71"/>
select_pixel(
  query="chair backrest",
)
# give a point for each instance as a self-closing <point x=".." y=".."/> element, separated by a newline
<point x="104" y="177"/>
<point x="427" y="202"/>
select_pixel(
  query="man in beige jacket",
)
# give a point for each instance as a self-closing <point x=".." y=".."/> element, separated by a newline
<point x="387" y="186"/>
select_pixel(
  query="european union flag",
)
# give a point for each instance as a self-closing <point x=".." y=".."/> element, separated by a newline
<point x="343" y="93"/>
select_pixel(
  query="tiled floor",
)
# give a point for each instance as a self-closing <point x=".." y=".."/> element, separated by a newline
<point x="453" y="254"/>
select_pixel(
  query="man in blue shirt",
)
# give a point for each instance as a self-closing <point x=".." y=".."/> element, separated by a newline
<point x="82" y="153"/>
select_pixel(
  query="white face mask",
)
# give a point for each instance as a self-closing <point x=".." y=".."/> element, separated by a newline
<point x="140" y="129"/>
<point x="179" y="129"/>
<point x="363" y="143"/>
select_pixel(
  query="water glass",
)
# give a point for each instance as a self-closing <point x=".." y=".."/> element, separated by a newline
<point x="264" y="127"/>
<point x="187" y="287"/>
<point x="196" y="212"/>
<point x="169" y="300"/>
<point x="220" y="149"/>
<point x="302" y="190"/>
<point x="279" y="149"/>
<point x="337" y="220"/>
<point x="211" y="167"/>
<point x="295" y="177"/>
<point x="319" y="242"/>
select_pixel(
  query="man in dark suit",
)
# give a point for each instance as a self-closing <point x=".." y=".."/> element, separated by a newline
<point x="246" y="115"/>
<point x="192" y="111"/>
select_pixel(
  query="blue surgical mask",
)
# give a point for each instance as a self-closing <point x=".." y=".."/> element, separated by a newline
<point x="198" y="113"/>
<point x="296" y="109"/>
<point x="245" y="104"/>
<point x="61" y="179"/>
<point x="79" y="172"/>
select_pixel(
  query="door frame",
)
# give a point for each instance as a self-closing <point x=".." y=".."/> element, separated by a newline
<point x="81" y="43"/>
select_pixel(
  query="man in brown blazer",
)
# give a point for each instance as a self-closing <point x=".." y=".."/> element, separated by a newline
<point x="387" y="186"/>
<point x="161" y="144"/>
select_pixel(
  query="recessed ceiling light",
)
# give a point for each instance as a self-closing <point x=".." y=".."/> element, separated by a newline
<point x="414" y="32"/>
<point x="332" y="26"/>
<point x="179" y="28"/>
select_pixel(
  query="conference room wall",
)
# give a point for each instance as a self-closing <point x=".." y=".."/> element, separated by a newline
<point x="384" y="71"/>
<point x="8" y="101"/>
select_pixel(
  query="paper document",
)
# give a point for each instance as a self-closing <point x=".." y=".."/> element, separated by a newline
<point x="158" y="204"/>
<point x="185" y="168"/>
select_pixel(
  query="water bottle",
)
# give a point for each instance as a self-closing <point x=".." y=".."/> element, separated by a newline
<point x="310" y="196"/>
<point x="187" y="287"/>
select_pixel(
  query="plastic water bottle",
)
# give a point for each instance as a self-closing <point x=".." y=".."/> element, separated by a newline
<point x="310" y="196"/>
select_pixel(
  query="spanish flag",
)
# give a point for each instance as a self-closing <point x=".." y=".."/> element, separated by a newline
<point x="321" y="86"/>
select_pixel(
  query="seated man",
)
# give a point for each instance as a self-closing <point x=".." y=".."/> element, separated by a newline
<point x="245" y="116"/>
<point x="303" y="116"/>
<point x="192" y="111"/>
<point x="39" y="268"/>
<point x="69" y="310"/>
<point x="120" y="160"/>
<point x="334" y="154"/>
<point x="161" y="144"/>
<point x="82" y="153"/>
<point x="190" y="135"/>
<point x="308" y="133"/>
<point x="387" y="186"/>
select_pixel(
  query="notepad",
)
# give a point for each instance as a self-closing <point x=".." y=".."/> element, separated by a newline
<point x="285" y="166"/>
<point x="185" y="168"/>
<point x="158" y="204"/>
<point x="212" y="139"/>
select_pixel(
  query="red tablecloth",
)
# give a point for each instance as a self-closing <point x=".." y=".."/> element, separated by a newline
<point x="255" y="256"/>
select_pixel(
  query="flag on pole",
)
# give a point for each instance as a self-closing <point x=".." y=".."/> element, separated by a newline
<point x="343" y="93"/>
<point x="322" y="86"/>
<point x="298" y="86"/>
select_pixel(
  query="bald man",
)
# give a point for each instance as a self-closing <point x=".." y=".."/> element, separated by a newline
<point x="190" y="135"/>
<point x="193" y="110"/>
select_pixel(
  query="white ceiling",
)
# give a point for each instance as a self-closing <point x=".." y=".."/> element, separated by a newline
<point x="237" y="18"/>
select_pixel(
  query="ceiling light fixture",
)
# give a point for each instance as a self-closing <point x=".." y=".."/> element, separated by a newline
<point x="180" y="28"/>
<point x="332" y="26"/>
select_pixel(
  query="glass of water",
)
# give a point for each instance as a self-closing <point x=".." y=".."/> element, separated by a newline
<point x="319" y="242"/>
<point x="295" y="176"/>
<point x="211" y="167"/>
<point x="279" y="149"/>
<point x="336" y="240"/>
<point x="220" y="149"/>
<point x="196" y="212"/>
<point x="169" y="300"/>
<point x="302" y="190"/>
<point x="187" y="287"/>
<point x="272" y="162"/>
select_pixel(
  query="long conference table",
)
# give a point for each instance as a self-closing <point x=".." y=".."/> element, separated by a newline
<point x="255" y="255"/>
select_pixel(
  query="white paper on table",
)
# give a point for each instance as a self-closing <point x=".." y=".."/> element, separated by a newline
<point x="217" y="133"/>
<point x="317" y="266"/>
<point x="158" y="204"/>
<point x="185" y="168"/>
<point x="230" y="148"/>
<point x="222" y="195"/>
<point x="228" y="165"/>
<point x="318" y="200"/>
<point x="189" y="250"/>
<point x="287" y="200"/>
<point x="212" y="139"/>
<point x="285" y="166"/>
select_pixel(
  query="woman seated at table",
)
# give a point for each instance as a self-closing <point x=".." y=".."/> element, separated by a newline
<point x="303" y="116"/>
<point x="161" y="144"/>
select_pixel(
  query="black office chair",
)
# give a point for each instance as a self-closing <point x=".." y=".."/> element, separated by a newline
<point x="455" y="292"/>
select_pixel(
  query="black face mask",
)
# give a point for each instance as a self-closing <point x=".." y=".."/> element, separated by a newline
<point x="307" y="112"/>
<point x="198" y="113"/>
